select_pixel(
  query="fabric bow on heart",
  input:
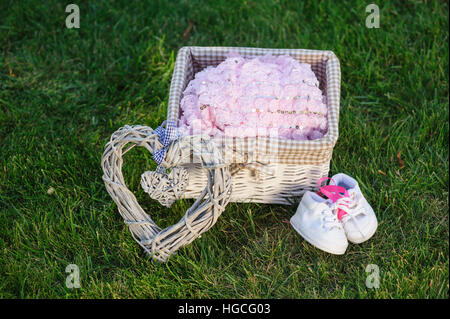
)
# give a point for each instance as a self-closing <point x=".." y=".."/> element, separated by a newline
<point x="166" y="136"/>
<point x="165" y="188"/>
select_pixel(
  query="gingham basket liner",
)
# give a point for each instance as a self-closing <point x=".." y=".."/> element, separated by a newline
<point x="325" y="65"/>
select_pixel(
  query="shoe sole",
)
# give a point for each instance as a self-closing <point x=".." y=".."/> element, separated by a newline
<point x="340" y="251"/>
<point x="371" y="233"/>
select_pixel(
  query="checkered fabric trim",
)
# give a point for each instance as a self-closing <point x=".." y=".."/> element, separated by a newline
<point x="324" y="64"/>
<point x="166" y="135"/>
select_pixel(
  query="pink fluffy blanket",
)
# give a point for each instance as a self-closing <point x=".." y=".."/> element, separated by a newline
<point x="275" y="96"/>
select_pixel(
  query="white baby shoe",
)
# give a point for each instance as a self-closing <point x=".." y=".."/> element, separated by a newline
<point x="353" y="210"/>
<point x="317" y="224"/>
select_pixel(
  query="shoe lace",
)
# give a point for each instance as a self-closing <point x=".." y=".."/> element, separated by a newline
<point x="330" y="220"/>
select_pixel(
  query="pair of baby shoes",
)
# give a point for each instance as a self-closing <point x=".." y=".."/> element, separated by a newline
<point x="330" y="223"/>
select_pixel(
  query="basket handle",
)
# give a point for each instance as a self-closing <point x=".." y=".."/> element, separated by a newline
<point x="200" y="217"/>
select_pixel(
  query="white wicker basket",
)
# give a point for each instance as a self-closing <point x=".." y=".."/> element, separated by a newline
<point x="295" y="166"/>
<point x="216" y="171"/>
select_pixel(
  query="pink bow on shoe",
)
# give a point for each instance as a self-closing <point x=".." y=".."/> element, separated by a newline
<point x="336" y="194"/>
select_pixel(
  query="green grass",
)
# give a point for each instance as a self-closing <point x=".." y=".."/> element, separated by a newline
<point x="63" y="92"/>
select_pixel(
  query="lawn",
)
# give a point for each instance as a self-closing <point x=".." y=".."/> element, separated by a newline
<point x="63" y="92"/>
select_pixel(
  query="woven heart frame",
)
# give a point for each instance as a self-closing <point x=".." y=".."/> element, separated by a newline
<point x="200" y="217"/>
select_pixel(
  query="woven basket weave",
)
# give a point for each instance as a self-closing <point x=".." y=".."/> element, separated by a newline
<point x="217" y="171"/>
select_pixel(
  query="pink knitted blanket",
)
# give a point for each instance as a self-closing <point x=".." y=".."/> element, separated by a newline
<point x="273" y="96"/>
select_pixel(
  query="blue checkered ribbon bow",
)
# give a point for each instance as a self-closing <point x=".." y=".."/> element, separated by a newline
<point x="166" y="136"/>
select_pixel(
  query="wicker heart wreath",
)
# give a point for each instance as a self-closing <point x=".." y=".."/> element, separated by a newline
<point x="200" y="217"/>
